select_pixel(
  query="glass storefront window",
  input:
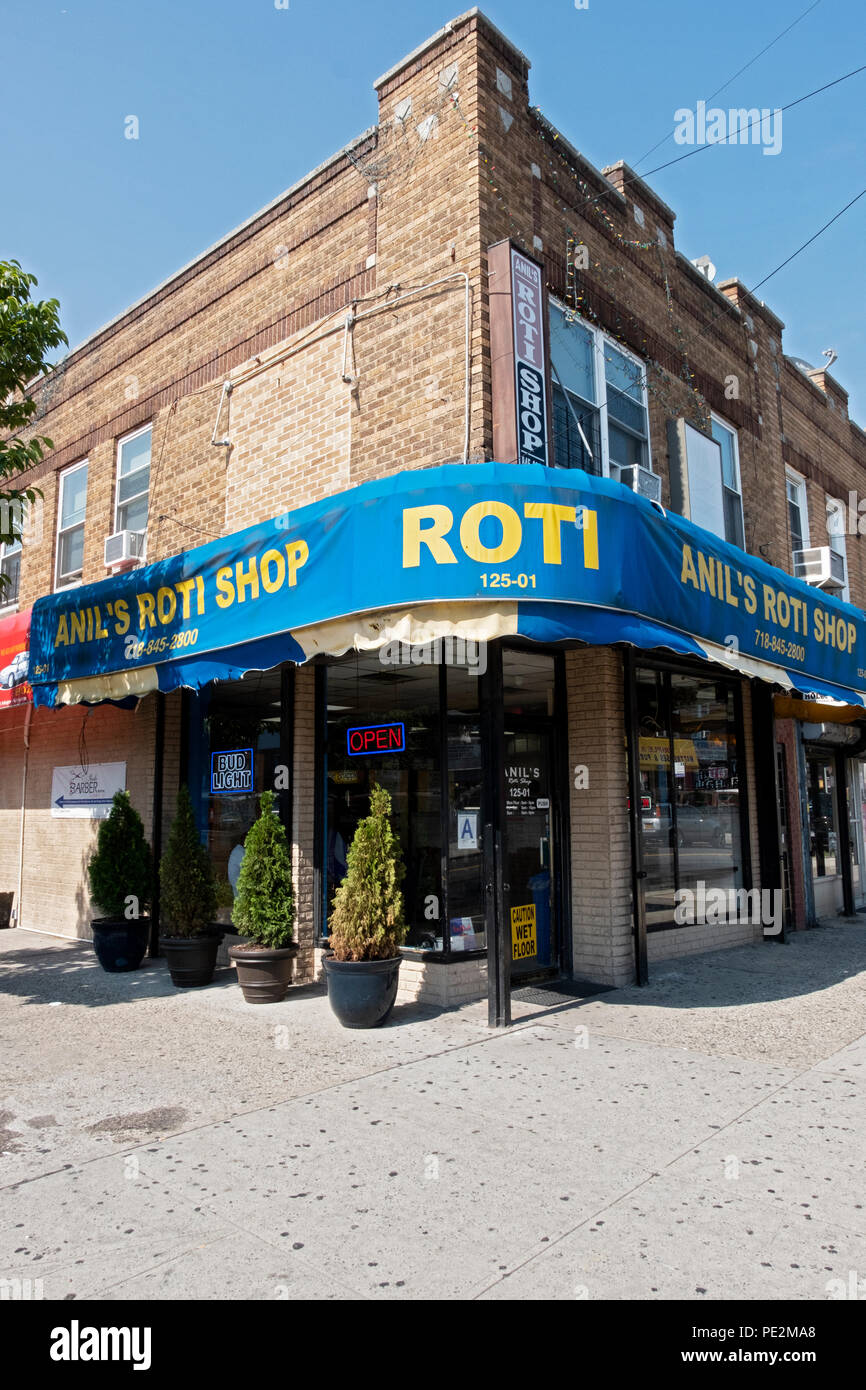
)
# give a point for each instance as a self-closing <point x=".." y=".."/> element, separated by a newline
<point x="437" y="708"/>
<point x="528" y="683"/>
<point x="688" y="746"/>
<point x="466" y="926"/>
<point x="656" y="815"/>
<point x="364" y="693"/>
<point x="823" y="826"/>
<point x="243" y="720"/>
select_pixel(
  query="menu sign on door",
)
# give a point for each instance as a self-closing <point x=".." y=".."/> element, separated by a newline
<point x="521" y="791"/>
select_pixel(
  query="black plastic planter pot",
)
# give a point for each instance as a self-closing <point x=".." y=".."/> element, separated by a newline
<point x="264" y="974"/>
<point x="191" y="959"/>
<point x="362" y="992"/>
<point x="120" y="944"/>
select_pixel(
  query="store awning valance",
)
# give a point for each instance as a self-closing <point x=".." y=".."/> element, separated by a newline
<point x="481" y="551"/>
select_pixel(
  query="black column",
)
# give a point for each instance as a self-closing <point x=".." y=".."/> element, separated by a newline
<point x="496" y="926"/>
<point x="156" y="835"/>
<point x="766" y="793"/>
<point x="844" y="836"/>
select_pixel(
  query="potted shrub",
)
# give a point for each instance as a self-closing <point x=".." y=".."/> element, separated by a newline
<point x="121" y="881"/>
<point x="367" y="925"/>
<point x="188" y="902"/>
<point x="264" y="910"/>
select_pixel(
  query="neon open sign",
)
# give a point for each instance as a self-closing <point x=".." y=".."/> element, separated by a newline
<point x="376" y="738"/>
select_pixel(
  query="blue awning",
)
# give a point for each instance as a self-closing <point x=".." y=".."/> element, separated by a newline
<point x="484" y="551"/>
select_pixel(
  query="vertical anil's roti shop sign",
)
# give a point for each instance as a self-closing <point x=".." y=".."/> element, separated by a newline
<point x="527" y="298"/>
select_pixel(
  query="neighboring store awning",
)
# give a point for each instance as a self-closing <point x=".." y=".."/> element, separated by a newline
<point x="480" y="551"/>
<point x="14" y="659"/>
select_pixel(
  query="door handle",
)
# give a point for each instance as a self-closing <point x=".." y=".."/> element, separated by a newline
<point x="507" y="887"/>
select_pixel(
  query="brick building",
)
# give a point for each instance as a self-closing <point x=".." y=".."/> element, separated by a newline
<point x="294" y="437"/>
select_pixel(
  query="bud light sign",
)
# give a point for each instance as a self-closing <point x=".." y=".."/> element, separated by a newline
<point x="527" y="298"/>
<point x="231" y="771"/>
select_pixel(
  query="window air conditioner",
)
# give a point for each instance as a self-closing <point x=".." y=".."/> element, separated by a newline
<point x="821" y="566"/>
<point x="642" y="480"/>
<point x="123" y="546"/>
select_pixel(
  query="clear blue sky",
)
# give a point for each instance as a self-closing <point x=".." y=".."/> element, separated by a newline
<point x="237" y="99"/>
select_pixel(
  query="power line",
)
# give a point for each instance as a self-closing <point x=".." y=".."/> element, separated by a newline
<point x="639" y="178"/>
<point x="737" y="74"/>
<point x="719" y="313"/>
<point x="793" y="254"/>
<point x="790" y="106"/>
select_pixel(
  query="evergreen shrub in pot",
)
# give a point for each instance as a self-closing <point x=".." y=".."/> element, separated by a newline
<point x="188" y="902"/>
<point x="367" y="923"/>
<point x="264" y="910"/>
<point x="121" y="885"/>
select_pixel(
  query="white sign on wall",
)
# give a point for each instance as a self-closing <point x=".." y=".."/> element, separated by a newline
<point x="467" y="830"/>
<point x="86" y="793"/>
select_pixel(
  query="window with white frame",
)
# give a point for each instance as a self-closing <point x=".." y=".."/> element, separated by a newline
<point x="836" y="519"/>
<point x="600" y="421"/>
<point x="71" y="508"/>
<point x="798" y="513"/>
<point x="10" y="569"/>
<point x="133" y="481"/>
<point x="732" y="498"/>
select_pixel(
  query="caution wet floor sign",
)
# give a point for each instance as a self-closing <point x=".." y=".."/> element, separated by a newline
<point x="524" y="939"/>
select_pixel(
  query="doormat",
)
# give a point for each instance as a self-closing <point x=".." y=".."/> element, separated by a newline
<point x="559" y="992"/>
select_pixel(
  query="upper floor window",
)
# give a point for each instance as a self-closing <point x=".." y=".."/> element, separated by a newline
<point x="10" y="568"/>
<point x="836" y="520"/>
<point x="599" y="399"/>
<point x="71" y="508"/>
<point x="133" y="481"/>
<point x="732" y="500"/>
<point x="627" y="429"/>
<point x="798" y="514"/>
<point x="705" y="477"/>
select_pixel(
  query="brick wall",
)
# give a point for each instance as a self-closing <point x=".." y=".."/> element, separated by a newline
<point x="601" y="925"/>
<point x="458" y="160"/>
<point x="55" y="896"/>
<point x="442" y="986"/>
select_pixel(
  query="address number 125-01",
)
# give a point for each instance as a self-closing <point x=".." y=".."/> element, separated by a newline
<point x="507" y="581"/>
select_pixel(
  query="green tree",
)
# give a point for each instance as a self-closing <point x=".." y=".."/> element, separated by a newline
<point x="264" y="906"/>
<point x="188" y="900"/>
<point x="28" y="330"/>
<point x="367" y="920"/>
<point x="121" y="870"/>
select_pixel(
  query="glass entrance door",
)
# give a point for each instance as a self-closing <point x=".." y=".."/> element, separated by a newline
<point x="855" y="787"/>
<point x="528" y="875"/>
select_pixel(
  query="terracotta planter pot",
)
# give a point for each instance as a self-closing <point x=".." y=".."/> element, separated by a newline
<point x="191" y="959"/>
<point x="264" y="973"/>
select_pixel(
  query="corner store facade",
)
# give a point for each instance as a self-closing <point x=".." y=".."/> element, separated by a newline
<point x="316" y="407"/>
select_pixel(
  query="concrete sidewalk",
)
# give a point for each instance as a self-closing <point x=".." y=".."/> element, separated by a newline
<point x="701" y="1138"/>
